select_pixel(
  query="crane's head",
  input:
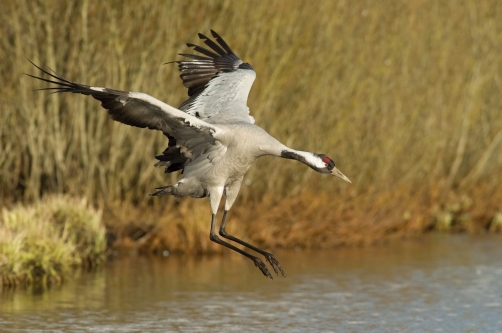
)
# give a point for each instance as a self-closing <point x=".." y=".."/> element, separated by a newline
<point x="324" y="164"/>
<point x="319" y="162"/>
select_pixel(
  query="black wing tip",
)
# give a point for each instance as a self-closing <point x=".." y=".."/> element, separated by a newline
<point x="221" y="49"/>
<point x="31" y="62"/>
<point x="215" y="34"/>
<point x="62" y="79"/>
<point x="222" y="42"/>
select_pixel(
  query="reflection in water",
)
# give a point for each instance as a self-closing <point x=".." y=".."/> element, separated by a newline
<point x="448" y="284"/>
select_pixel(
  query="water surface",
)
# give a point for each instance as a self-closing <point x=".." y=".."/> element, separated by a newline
<point x="437" y="284"/>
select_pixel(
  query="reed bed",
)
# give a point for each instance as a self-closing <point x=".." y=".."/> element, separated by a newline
<point x="42" y="243"/>
<point x="404" y="96"/>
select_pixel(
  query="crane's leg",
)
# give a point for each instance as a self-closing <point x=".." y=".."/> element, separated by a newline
<point x="231" y="194"/>
<point x="269" y="256"/>
<point x="215" y="195"/>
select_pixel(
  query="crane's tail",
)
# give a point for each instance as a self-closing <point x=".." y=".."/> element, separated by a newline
<point x="182" y="188"/>
<point x="164" y="190"/>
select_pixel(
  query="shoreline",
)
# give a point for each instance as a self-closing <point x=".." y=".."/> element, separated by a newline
<point x="43" y="242"/>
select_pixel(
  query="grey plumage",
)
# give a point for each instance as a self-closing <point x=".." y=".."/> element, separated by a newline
<point x="212" y="138"/>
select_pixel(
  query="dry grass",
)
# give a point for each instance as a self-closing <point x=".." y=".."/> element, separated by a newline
<point x="404" y="96"/>
<point x="43" y="242"/>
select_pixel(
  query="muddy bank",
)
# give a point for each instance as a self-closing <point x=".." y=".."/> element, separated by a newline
<point x="305" y="221"/>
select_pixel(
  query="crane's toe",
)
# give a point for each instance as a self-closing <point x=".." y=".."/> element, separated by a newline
<point x="275" y="264"/>
<point x="263" y="268"/>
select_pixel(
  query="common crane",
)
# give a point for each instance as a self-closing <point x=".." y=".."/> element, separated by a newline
<point x="212" y="138"/>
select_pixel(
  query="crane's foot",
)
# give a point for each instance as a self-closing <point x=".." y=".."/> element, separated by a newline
<point x="274" y="263"/>
<point x="263" y="268"/>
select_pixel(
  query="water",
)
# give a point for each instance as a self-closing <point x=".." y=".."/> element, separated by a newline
<point x="438" y="284"/>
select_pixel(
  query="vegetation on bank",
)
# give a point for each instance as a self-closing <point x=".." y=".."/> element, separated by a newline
<point x="404" y="96"/>
<point x="43" y="242"/>
<point x="323" y="221"/>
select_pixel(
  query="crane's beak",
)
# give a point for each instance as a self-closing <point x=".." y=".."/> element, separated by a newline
<point x="336" y="172"/>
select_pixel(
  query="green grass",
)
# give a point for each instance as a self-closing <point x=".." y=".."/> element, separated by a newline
<point x="45" y="241"/>
<point x="404" y="96"/>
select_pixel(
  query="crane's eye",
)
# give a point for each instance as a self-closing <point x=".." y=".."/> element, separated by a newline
<point x="326" y="165"/>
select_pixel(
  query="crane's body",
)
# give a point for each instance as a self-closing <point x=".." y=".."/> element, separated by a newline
<point x="212" y="138"/>
<point x="227" y="163"/>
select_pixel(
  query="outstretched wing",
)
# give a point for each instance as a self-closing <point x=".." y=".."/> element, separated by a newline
<point x="218" y="83"/>
<point x="189" y="137"/>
